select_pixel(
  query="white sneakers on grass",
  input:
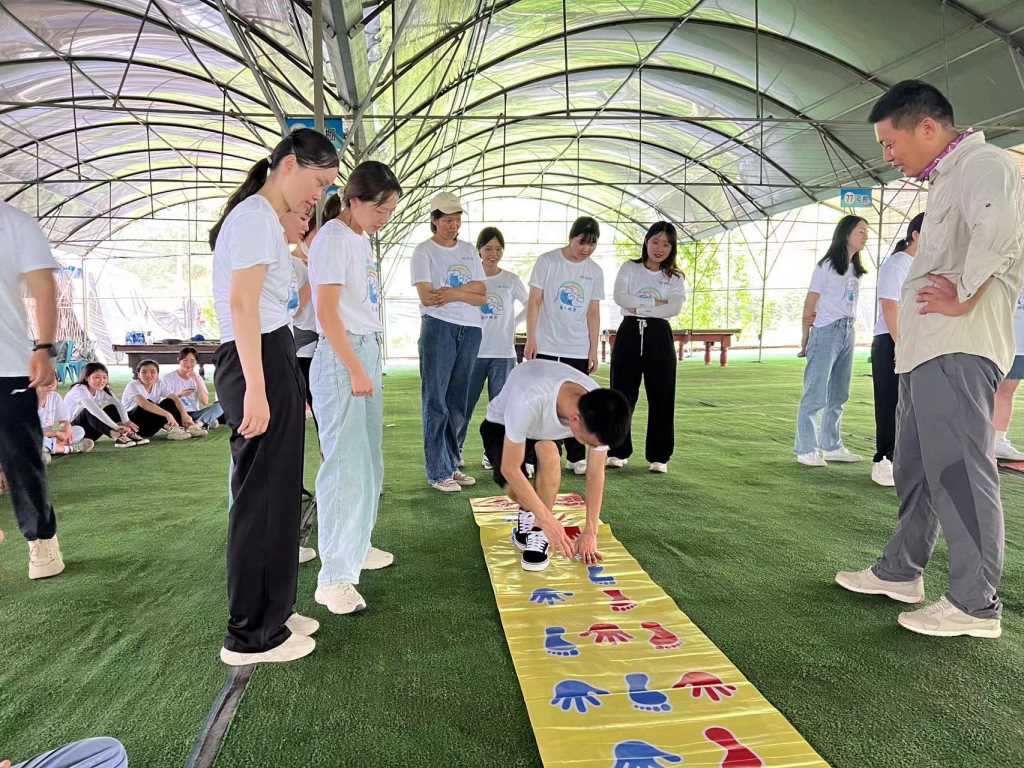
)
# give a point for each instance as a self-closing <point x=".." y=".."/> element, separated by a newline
<point x="658" y="467"/>
<point x="306" y="554"/>
<point x="177" y="433"/>
<point x="1006" y="451"/>
<point x="881" y="473"/>
<point x="578" y="467"/>
<point x="867" y="583"/>
<point x="295" y="647"/>
<point x="44" y="558"/>
<point x="340" y="598"/>
<point x="842" y="455"/>
<point x="463" y="479"/>
<point x="446" y="486"/>
<point x="943" y="619"/>
<point x="377" y="559"/>
<point x="811" y="459"/>
<point x="615" y="461"/>
<point x="302" y="625"/>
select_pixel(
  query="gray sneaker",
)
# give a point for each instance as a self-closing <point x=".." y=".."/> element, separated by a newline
<point x="943" y="619"/>
<point x="866" y="583"/>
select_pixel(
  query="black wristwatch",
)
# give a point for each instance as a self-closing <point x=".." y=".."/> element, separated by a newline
<point x="48" y="346"/>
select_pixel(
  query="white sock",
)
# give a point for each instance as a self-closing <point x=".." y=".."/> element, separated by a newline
<point x="1000" y="436"/>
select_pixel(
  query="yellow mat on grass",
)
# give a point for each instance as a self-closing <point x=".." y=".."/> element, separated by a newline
<point x="616" y="676"/>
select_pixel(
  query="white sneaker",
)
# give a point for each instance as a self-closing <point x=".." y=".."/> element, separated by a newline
<point x="866" y="583"/>
<point x="463" y="479"/>
<point x="44" y="558"/>
<point x="658" y="466"/>
<point x="530" y="470"/>
<point x="446" y="486"/>
<point x="47" y="458"/>
<point x="578" y="467"/>
<point x="196" y="430"/>
<point x="881" y="473"/>
<point x="302" y="625"/>
<point x="340" y="598"/>
<point x="295" y="647"/>
<point x="177" y="433"/>
<point x="943" y="619"/>
<point x="377" y="559"/>
<point x="1007" y="452"/>
<point x="842" y="455"/>
<point x="615" y="461"/>
<point x="812" y="459"/>
<point x="306" y="554"/>
<point x="86" y="446"/>
<point x="486" y="464"/>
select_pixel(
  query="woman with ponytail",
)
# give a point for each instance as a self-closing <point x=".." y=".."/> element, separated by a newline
<point x="262" y="391"/>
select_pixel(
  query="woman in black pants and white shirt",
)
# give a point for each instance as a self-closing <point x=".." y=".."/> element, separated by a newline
<point x="151" y="405"/>
<point x="261" y="388"/>
<point x="651" y="291"/>
<point x="92" y="406"/>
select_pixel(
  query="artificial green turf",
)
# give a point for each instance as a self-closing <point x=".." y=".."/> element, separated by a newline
<point x="745" y="540"/>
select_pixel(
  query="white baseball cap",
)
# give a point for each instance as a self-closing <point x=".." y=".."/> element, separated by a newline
<point x="446" y="203"/>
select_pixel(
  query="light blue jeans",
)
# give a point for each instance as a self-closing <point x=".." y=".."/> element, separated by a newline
<point x="494" y="371"/>
<point x="826" y="387"/>
<point x="98" y="752"/>
<point x="349" y="481"/>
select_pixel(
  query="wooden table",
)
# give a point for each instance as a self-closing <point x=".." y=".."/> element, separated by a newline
<point x="707" y="336"/>
<point x="167" y="353"/>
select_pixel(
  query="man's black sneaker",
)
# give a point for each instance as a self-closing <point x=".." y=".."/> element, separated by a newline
<point x="535" y="555"/>
<point x="522" y="528"/>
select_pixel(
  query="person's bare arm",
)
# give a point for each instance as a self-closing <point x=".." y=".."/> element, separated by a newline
<point x="586" y="545"/>
<point x="532" y="313"/>
<point x="151" y="407"/>
<point x="594" y="329"/>
<point x="891" y="315"/>
<point x="520" y="488"/>
<point x="43" y="289"/>
<point x="246" y="285"/>
<point x="327" y="314"/>
<point x="428" y="296"/>
<point x="940" y="297"/>
<point x="807" y="319"/>
<point x="474" y="293"/>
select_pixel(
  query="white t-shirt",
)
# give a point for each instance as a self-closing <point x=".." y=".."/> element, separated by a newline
<point x="891" y="276"/>
<point x="303" y="319"/>
<point x="173" y="384"/>
<point x="79" y="396"/>
<point x="1018" y="324"/>
<point x="448" y="267"/>
<point x="498" y="315"/>
<point x="135" y="387"/>
<point x="568" y="288"/>
<point x="838" y="294"/>
<point x="339" y="256"/>
<point x="252" y="235"/>
<point x="53" y="411"/>
<point x="637" y="289"/>
<point x="26" y="251"/>
<point x="526" y="405"/>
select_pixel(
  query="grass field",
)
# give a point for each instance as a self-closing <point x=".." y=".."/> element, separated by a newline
<point x="125" y="643"/>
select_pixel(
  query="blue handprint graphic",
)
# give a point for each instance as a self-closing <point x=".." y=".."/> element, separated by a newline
<point x="647" y="701"/>
<point x="640" y="754"/>
<point x="556" y="645"/>
<point x="594" y="573"/>
<point x="576" y="693"/>
<point x="548" y="596"/>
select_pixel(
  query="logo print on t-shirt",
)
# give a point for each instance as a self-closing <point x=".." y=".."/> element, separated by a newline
<point x="372" y="285"/>
<point x="650" y="293"/>
<point x="493" y="308"/>
<point x="459" y="275"/>
<point x="571" y="296"/>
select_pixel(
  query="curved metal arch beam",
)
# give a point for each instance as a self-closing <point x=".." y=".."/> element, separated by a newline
<point x="125" y="153"/>
<point x="647" y="68"/>
<point x="721" y="222"/>
<point x="627" y="114"/>
<point x="78" y="101"/>
<point x="726" y="182"/>
<point x="126" y="124"/>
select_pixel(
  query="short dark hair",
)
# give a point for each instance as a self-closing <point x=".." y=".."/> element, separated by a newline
<point x="586" y="226"/>
<point x="331" y="208"/>
<point x="907" y="103"/>
<point x="144" y="363"/>
<point x="487" y="234"/>
<point x="605" y="413"/>
<point x="186" y="351"/>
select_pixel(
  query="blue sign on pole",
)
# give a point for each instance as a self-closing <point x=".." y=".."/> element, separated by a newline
<point x="334" y="129"/>
<point x="855" y="197"/>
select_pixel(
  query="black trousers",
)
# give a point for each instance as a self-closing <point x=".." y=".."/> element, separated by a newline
<point x="493" y="437"/>
<point x="21" y="446"/>
<point x="886" y="384"/>
<point x="266" y="491"/>
<point x="647" y="352"/>
<point x="151" y="423"/>
<point x="305" y="363"/>
<point x="574" y="450"/>
<point x="94" y="428"/>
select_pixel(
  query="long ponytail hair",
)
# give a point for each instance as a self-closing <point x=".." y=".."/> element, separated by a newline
<point x="311" y="149"/>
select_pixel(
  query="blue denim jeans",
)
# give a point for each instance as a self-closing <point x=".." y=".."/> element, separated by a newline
<point x="447" y="354"/>
<point x="493" y="370"/>
<point x="349" y="482"/>
<point x="209" y="415"/>
<point x="826" y="387"/>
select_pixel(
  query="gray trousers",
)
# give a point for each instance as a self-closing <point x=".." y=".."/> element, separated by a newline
<point x="100" y="752"/>
<point x="946" y="475"/>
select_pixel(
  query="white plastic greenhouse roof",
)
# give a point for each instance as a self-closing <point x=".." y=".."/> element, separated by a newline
<point x="707" y="113"/>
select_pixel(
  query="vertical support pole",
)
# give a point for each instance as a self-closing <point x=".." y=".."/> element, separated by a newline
<point x="318" y="80"/>
<point x="764" y="289"/>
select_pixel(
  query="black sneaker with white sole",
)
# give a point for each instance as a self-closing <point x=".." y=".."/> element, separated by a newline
<point x="522" y="528"/>
<point x="535" y="554"/>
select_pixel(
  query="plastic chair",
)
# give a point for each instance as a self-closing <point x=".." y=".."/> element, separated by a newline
<point x="65" y="364"/>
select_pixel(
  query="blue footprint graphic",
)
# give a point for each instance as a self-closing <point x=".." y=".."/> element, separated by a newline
<point x="640" y="754"/>
<point x="644" y="700"/>
<point x="594" y="573"/>
<point x="556" y="645"/>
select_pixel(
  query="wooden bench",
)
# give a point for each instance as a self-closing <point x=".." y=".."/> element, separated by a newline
<point x="167" y="353"/>
<point x="706" y="336"/>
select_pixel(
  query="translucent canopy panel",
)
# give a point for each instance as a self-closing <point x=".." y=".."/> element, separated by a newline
<point x="710" y="113"/>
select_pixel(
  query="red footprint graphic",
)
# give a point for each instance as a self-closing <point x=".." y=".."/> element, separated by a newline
<point x="736" y="754"/>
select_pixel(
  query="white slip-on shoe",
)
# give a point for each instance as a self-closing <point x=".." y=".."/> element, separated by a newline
<point x="658" y="466"/>
<point x="881" y="473"/>
<point x="842" y="455"/>
<point x="340" y="598"/>
<point x="302" y="625"/>
<point x="44" y="558"/>
<point x="866" y="583"/>
<point x="446" y="486"/>
<point x="578" y="467"/>
<point x="295" y="647"/>
<point x="812" y="459"/>
<point x="943" y="619"/>
<point x="377" y="559"/>
<point x="1006" y="451"/>
<point x="306" y="554"/>
<point x="86" y="446"/>
<point x="463" y="479"/>
<point x="615" y="461"/>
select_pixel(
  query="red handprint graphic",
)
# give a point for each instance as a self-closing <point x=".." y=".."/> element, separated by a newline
<point x="573" y="532"/>
<point x="607" y="633"/>
<point x="620" y="603"/>
<point x="736" y="754"/>
<point x="706" y="684"/>
<point x="661" y="638"/>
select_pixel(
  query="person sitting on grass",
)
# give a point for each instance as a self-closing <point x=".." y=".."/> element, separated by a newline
<point x="189" y="386"/>
<point x="92" y="406"/>
<point x="544" y="401"/>
<point x="153" y="408"/>
<point x="59" y="437"/>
